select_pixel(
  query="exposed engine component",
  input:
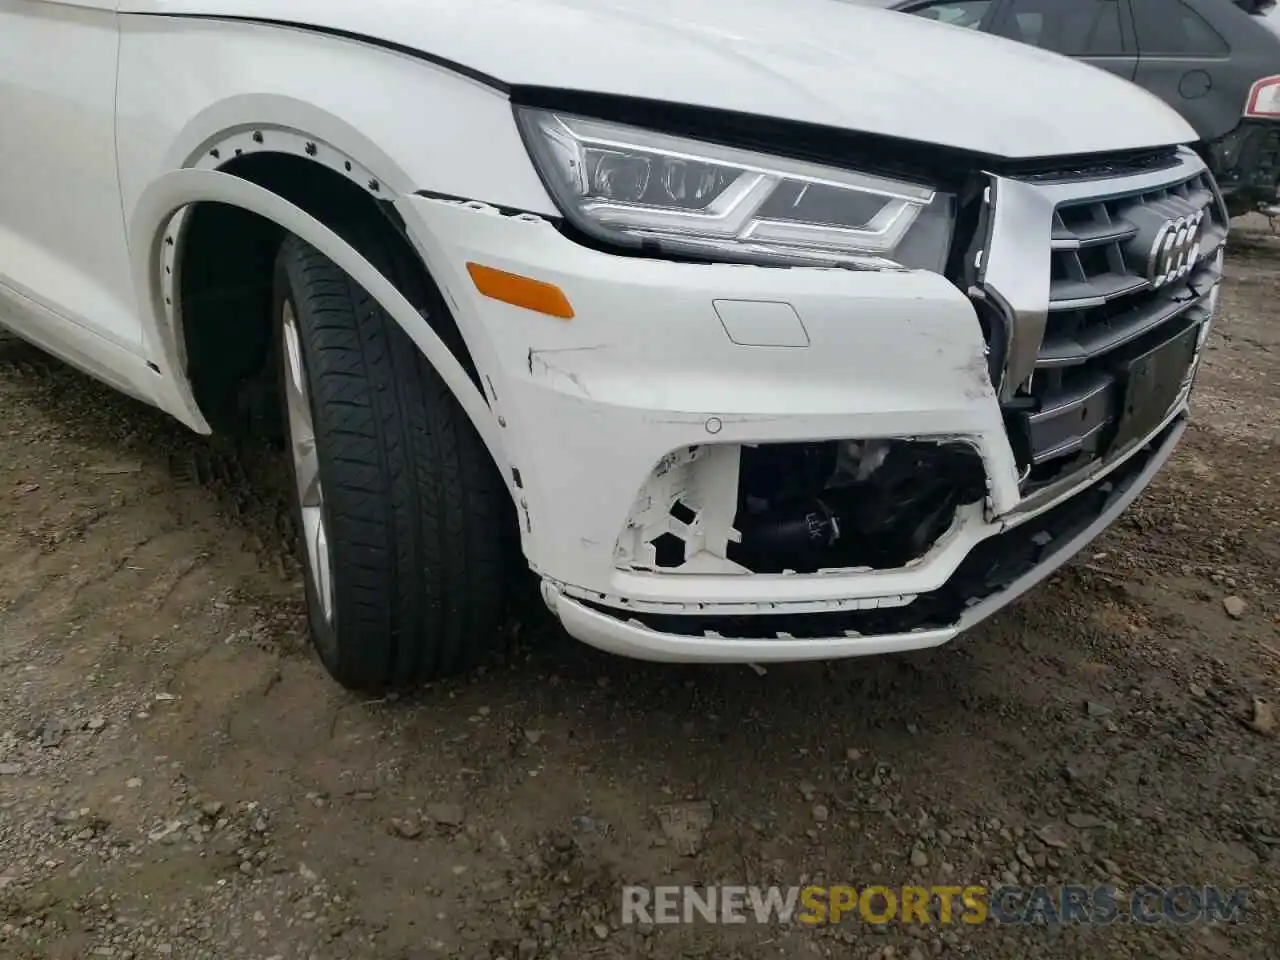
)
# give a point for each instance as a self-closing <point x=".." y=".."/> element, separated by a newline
<point x="786" y="537"/>
<point x="870" y="503"/>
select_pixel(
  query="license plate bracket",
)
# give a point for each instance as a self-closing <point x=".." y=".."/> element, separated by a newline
<point x="1151" y="384"/>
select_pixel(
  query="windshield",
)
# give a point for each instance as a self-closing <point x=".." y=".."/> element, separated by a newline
<point x="962" y="13"/>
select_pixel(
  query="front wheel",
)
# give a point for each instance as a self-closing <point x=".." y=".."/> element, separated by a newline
<point x="398" y="506"/>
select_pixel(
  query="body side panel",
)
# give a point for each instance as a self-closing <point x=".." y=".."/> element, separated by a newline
<point x="62" y="235"/>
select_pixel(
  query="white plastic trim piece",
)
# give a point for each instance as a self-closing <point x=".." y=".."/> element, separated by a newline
<point x="179" y="189"/>
<point x="633" y="639"/>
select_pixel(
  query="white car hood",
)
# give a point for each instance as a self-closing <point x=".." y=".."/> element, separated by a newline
<point x="817" y="61"/>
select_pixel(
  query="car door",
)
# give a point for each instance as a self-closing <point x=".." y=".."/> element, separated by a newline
<point x="1186" y="62"/>
<point x="64" y="265"/>
<point x="1098" y="32"/>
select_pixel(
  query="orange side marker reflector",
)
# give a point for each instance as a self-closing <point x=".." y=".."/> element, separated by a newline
<point x="521" y="291"/>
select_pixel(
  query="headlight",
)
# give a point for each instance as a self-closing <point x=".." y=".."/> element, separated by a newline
<point x="642" y="189"/>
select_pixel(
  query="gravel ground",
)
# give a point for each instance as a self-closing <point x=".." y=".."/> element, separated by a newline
<point x="179" y="779"/>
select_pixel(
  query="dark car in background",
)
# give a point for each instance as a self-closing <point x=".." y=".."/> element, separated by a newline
<point x="1217" y="62"/>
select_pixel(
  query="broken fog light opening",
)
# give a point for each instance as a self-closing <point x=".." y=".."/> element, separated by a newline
<point x="879" y="504"/>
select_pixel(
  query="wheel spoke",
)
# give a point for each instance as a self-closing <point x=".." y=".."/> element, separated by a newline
<point x="295" y="386"/>
<point x="306" y="464"/>
<point x="307" y="468"/>
<point x="324" y="576"/>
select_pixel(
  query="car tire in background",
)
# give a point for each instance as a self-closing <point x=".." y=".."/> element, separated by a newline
<point x="400" y="511"/>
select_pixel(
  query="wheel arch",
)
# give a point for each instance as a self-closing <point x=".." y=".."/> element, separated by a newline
<point x="217" y="290"/>
<point x="283" y="124"/>
<point x="156" y="229"/>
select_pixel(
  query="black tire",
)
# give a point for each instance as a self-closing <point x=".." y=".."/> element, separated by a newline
<point x="417" y="518"/>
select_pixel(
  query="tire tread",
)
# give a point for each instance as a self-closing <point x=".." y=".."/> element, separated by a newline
<point x="415" y="504"/>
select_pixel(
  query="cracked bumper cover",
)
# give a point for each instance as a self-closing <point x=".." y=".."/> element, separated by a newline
<point x="646" y="367"/>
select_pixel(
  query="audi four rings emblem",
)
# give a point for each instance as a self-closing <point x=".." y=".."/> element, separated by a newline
<point x="1176" y="249"/>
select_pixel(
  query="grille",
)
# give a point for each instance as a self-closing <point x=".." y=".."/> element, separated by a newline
<point x="1116" y="310"/>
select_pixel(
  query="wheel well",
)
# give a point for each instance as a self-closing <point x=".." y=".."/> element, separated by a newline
<point x="225" y="273"/>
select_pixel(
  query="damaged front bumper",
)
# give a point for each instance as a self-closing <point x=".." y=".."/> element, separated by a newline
<point x="994" y="574"/>
<point x="630" y="431"/>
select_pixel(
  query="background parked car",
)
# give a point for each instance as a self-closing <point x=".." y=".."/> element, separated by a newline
<point x="1215" y="61"/>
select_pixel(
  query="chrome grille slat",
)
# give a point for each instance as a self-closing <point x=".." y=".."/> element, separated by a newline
<point x="1093" y="291"/>
<point x="1063" y="349"/>
<point x="1090" y="235"/>
<point x="1071" y="421"/>
<point x="1214" y="239"/>
<point x="1074" y="444"/>
<point x="1076" y="400"/>
<point x="1200" y="198"/>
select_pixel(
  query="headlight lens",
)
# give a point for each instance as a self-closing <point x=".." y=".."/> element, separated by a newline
<point x="637" y="188"/>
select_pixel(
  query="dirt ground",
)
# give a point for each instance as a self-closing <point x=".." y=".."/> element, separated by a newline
<point x="178" y="778"/>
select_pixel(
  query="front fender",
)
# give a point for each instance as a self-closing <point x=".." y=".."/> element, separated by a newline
<point x="186" y="84"/>
<point x="150" y="235"/>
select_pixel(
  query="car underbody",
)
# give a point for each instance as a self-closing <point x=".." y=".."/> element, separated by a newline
<point x="1246" y="164"/>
